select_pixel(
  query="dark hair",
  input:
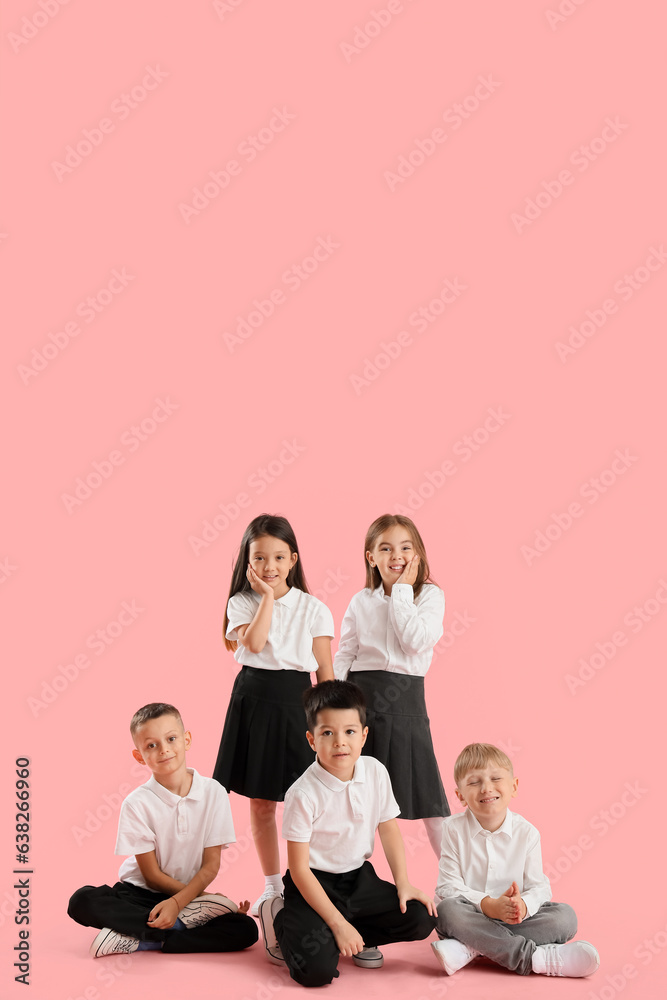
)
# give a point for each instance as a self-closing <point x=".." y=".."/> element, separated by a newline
<point x="333" y="694"/>
<point x="382" y="524"/>
<point x="276" y="527"/>
<point x="153" y="711"/>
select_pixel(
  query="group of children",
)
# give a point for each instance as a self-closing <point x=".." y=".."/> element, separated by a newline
<point x="374" y="761"/>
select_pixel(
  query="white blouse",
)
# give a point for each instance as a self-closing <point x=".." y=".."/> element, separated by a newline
<point x="394" y="632"/>
<point x="296" y="620"/>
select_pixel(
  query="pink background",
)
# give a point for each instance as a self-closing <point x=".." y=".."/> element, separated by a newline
<point x="553" y="84"/>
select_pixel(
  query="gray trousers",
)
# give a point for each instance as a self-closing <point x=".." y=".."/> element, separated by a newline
<point x="510" y="945"/>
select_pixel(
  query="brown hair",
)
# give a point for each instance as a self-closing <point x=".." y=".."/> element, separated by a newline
<point x="478" y="755"/>
<point x="382" y="524"/>
<point x="276" y="527"/>
<point x="152" y="711"/>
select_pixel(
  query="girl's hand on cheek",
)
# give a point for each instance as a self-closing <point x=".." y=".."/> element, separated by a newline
<point x="409" y="574"/>
<point x="257" y="585"/>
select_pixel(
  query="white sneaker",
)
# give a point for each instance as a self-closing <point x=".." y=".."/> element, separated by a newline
<point x="201" y="909"/>
<point x="575" y="959"/>
<point x="268" y="893"/>
<point x="452" y="954"/>
<point x="369" y="958"/>
<point x="268" y="909"/>
<point x="110" y="942"/>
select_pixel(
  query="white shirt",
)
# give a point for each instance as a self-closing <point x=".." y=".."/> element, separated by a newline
<point x="339" y="818"/>
<point x="476" y="863"/>
<point x="176" y="827"/>
<point x="394" y="632"/>
<point x="297" y="618"/>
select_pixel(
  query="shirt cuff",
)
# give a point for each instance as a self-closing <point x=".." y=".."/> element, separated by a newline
<point x="404" y="592"/>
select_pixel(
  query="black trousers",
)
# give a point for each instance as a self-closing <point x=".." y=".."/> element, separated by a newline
<point x="125" y="907"/>
<point x="369" y="903"/>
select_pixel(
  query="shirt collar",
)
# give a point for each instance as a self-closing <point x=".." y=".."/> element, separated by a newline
<point x="288" y="600"/>
<point x="475" y="827"/>
<point x="333" y="783"/>
<point x="170" y="798"/>
<point x="379" y="593"/>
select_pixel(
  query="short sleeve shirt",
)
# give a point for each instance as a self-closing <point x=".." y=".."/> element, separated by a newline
<point x="176" y="827"/>
<point x="296" y="620"/>
<point x="339" y="818"/>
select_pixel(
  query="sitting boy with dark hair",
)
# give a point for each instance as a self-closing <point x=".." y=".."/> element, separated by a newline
<point x="174" y="827"/>
<point x="334" y="902"/>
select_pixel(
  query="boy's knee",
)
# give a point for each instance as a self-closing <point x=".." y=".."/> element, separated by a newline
<point x="314" y="976"/>
<point x="567" y="921"/>
<point x="78" y="906"/>
<point x="450" y="913"/>
<point x="422" y="921"/>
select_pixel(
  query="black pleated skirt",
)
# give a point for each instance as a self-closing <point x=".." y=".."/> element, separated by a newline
<point x="263" y="749"/>
<point x="399" y="735"/>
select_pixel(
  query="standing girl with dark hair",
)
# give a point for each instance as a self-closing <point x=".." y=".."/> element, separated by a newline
<point x="279" y="633"/>
<point x="386" y="644"/>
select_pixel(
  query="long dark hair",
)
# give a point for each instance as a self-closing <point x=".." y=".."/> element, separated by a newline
<point x="276" y="527"/>
<point x="382" y="524"/>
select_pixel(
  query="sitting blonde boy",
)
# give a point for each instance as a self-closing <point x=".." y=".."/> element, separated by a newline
<point x="495" y="899"/>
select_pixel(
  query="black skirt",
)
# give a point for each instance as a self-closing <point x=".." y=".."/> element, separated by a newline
<point x="399" y="735"/>
<point x="263" y="749"/>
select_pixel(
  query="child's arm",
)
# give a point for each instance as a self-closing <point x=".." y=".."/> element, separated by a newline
<point x="418" y="626"/>
<point x="348" y="646"/>
<point x="164" y="914"/>
<point x="322" y="653"/>
<point x="348" y="938"/>
<point x="254" y="635"/>
<point x="394" y="850"/>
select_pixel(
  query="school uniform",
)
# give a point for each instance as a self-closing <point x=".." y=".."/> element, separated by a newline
<point x="476" y="863"/>
<point x="338" y="819"/>
<point x="386" y="647"/>
<point x="263" y="748"/>
<point x="178" y="828"/>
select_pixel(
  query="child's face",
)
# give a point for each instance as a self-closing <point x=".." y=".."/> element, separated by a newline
<point x="160" y="745"/>
<point x="272" y="560"/>
<point x="487" y="792"/>
<point x="337" y="740"/>
<point x="391" y="552"/>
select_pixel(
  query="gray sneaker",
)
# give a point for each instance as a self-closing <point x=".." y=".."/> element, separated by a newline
<point x="369" y="958"/>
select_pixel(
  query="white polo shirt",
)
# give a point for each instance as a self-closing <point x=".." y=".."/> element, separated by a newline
<point x="339" y="818"/>
<point x="176" y="827"/>
<point x="475" y="863"/>
<point x="394" y="632"/>
<point x="296" y="620"/>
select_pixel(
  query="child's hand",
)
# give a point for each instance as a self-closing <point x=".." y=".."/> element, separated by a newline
<point x="164" y="914"/>
<point x="505" y="907"/>
<point x="244" y="906"/>
<point x="257" y="585"/>
<point x="409" y="574"/>
<point x="515" y="896"/>
<point x="348" y="939"/>
<point x="408" y="891"/>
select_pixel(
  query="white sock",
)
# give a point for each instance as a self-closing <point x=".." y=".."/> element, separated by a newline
<point x="274" y="882"/>
<point x="434" y="830"/>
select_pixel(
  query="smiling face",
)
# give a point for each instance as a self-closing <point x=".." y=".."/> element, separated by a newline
<point x="337" y="740"/>
<point x="272" y="560"/>
<point x="391" y="553"/>
<point x="487" y="792"/>
<point x="160" y="745"/>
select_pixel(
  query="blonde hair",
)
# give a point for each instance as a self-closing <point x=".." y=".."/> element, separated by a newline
<point x="382" y="524"/>
<point x="478" y="755"/>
